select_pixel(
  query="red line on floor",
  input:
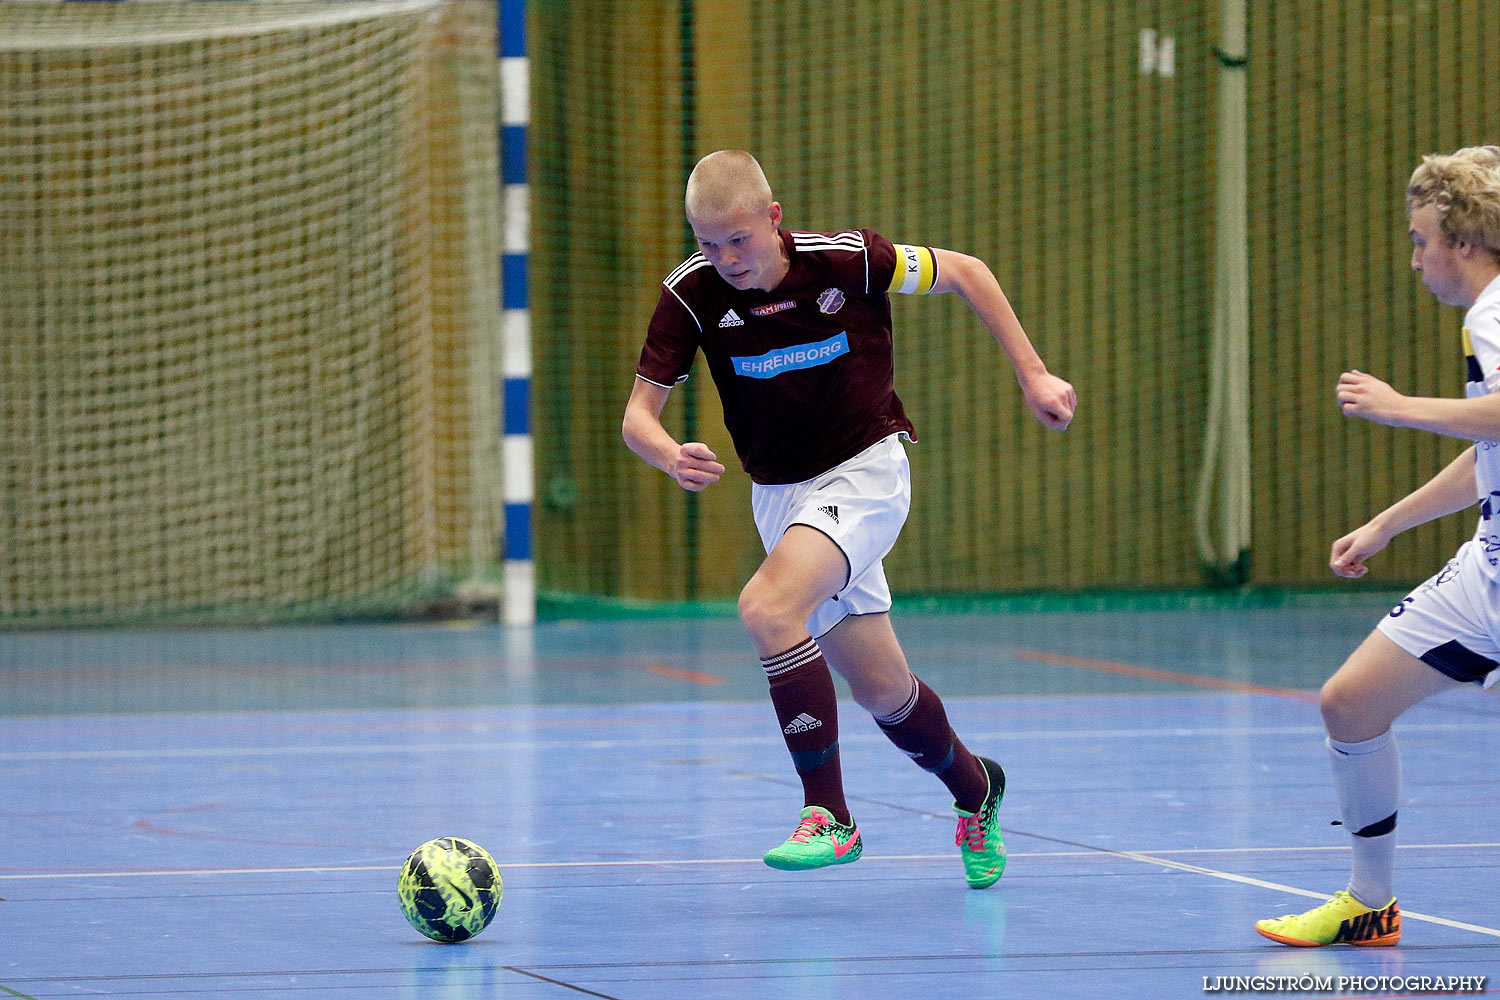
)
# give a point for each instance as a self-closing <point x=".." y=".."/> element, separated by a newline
<point x="685" y="675"/>
<point x="166" y="831"/>
<point x="1128" y="670"/>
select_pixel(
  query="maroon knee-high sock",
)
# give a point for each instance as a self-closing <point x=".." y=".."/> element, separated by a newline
<point x="807" y="708"/>
<point x="920" y="730"/>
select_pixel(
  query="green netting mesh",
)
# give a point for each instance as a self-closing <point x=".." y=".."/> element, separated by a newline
<point x="247" y="285"/>
<point x="247" y="288"/>
<point x="1076" y="148"/>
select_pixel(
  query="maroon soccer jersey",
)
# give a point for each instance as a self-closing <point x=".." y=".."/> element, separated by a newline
<point x="805" y="371"/>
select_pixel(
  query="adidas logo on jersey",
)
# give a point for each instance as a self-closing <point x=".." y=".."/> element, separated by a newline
<point x="802" y="723"/>
<point x="731" y="318"/>
<point x="832" y="512"/>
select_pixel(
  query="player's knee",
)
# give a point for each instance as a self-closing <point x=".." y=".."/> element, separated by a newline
<point x="1346" y="710"/>
<point x="881" y="695"/>
<point x="761" y="607"/>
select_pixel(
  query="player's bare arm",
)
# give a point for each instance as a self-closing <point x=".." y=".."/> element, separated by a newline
<point x="1051" y="399"/>
<point x="1363" y="395"/>
<point x="1448" y="492"/>
<point x="693" y="464"/>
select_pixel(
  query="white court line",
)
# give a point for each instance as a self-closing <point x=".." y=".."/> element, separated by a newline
<point x="1150" y="859"/>
<point x="1246" y="880"/>
<point x="679" y="741"/>
<point x="1153" y="857"/>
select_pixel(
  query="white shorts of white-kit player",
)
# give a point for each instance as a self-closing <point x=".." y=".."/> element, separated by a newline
<point x="1452" y="621"/>
<point x="861" y="504"/>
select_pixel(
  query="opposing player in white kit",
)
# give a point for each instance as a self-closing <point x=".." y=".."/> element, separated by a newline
<point x="796" y="329"/>
<point x="1447" y="632"/>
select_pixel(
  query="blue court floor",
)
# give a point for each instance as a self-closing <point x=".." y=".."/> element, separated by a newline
<point x="221" y="814"/>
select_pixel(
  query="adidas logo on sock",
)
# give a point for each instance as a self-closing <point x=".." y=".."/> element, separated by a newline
<point x="802" y="723"/>
<point x="832" y="512"/>
<point x="731" y="318"/>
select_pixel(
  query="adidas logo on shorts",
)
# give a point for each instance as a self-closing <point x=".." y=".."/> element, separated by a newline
<point x="802" y="723"/>
<point x="731" y="318"/>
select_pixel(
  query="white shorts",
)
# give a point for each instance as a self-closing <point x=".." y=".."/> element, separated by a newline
<point x="1452" y="621"/>
<point x="861" y="504"/>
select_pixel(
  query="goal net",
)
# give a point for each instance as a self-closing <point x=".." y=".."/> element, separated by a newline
<point x="248" y="260"/>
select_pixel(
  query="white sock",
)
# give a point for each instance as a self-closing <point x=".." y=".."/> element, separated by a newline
<point x="1367" y="778"/>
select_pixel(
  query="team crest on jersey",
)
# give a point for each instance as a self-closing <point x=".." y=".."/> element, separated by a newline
<point x="773" y="308"/>
<point x="831" y="301"/>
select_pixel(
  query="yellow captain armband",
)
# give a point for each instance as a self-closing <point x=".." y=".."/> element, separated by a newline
<point x="916" y="270"/>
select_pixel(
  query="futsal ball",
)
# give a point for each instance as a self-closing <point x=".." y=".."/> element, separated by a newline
<point x="449" y="889"/>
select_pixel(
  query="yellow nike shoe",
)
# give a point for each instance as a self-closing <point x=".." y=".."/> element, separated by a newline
<point x="1341" y="920"/>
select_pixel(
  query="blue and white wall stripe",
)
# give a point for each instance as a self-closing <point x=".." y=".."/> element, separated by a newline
<point x="519" y="606"/>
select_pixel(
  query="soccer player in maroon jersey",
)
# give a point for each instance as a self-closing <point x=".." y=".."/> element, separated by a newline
<point x="796" y="328"/>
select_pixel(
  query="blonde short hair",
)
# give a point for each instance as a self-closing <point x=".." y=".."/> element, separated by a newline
<point x="1465" y="187"/>
<point x="726" y="180"/>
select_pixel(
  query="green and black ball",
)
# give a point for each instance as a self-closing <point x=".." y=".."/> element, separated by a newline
<point x="449" y="889"/>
